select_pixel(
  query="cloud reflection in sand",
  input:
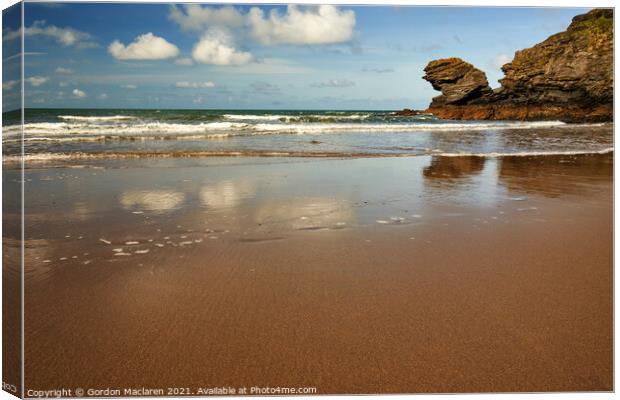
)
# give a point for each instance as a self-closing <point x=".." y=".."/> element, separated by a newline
<point x="226" y="193"/>
<point x="152" y="200"/>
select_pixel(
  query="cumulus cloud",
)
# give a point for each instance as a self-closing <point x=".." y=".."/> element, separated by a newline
<point x="186" y="61"/>
<point x="222" y="28"/>
<point x="334" y="83"/>
<point x="37" y="80"/>
<point x="78" y="93"/>
<point x="67" y="37"/>
<point x="216" y="48"/>
<point x="65" y="71"/>
<point x="129" y="86"/>
<point x="144" y="47"/>
<point x="195" y="18"/>
<point x="103" y="96"/>
<point x="324" y="24"/>
<point x="195" y="85"/>
<point x="499" y="60"/>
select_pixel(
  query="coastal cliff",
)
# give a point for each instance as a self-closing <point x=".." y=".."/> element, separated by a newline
<point x="568" y="77"/>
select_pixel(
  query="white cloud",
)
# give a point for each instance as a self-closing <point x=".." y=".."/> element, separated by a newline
<point x="144" y="47"/>
<point x="103" y="96"/>
<point x="500" y="60"/>
<point x="216" y="48"/>
<point x="313" y="25"/>
<point x="184" y="61"/>
<point x="334" y="83"/>
<point x="62" y="70"/>
<point x="129" y="86"/>
<point x="78" y="93"/>
<point x="37" y="80"/>
<point x="65" y="36"/>
<point x="224" y="27"/>
<point x="195" y="85"/>
<point x="8" y="85"/>
<point x="193" y="17"/>
<point x="63" y="84"/>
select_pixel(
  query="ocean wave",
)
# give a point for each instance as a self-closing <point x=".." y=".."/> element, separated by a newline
<point x="297" y="118"/>
<point x="52" y="129"/>
<point x="99" y="118"/>
<point x="242" y="117"/>
<point x="61" y="128"/>
<point x="43" y="157"/>
<point x="400" y="127"/>
<point x="533" y="153"/>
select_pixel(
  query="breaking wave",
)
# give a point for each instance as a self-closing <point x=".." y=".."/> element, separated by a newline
<point x="44" y="157"/>
<point x="125" y="127"/>
<point x="98" y="118"/>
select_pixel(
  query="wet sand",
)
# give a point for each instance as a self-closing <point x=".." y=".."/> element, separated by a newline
<point x="389" y="275"/>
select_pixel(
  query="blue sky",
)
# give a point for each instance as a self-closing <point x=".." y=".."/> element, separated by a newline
<point x="212" y="56"/>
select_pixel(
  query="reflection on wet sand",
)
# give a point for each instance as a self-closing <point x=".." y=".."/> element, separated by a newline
<point x="314" y="267"/>
<point x="450" y="170"/>
<point x="226" y="193"/>
<point x="553" y="176"/>
<point x="151" y="200"/>
<point x="305" y="214"/>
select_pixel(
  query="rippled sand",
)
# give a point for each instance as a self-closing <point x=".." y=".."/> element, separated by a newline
<point x="392" y="275"/>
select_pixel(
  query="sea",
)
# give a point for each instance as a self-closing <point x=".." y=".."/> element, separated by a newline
<point x="50" y="134"/>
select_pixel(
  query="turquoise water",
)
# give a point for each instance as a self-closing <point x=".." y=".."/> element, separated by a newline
<point x="74" y="133"/>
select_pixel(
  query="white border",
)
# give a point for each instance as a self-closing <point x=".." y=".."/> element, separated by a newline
<point x="483" y="3"/>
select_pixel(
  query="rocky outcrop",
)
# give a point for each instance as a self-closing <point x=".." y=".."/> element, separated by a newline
<point x="407" y="112"/>
<point x="569" y="77"/>
<point x="457" y="80"/>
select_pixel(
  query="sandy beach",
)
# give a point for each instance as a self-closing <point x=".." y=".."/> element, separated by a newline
<point x="385" y="275"/>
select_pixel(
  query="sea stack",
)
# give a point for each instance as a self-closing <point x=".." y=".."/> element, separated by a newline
<point x="567" y="77"/>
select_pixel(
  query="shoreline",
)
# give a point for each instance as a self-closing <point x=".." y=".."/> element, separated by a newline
<point x="41" y="160"/>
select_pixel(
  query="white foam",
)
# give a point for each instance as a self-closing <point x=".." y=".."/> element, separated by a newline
<point x="531" y="153"/>
<point x="85" y="130"/>
<point x="242" y="117"/>
<point x="289" y="118"/>
<point x="410" y="127"/>
<point x="99" y="118"/>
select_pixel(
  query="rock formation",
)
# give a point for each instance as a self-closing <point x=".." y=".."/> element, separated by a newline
<point x="568" y="77"/>
<point x="457" y="80"/>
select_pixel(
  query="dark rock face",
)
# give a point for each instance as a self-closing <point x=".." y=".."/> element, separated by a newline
<point x="571" y="67"/>
<point x="457" y="80"/>
<point x="569" y="77"/>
